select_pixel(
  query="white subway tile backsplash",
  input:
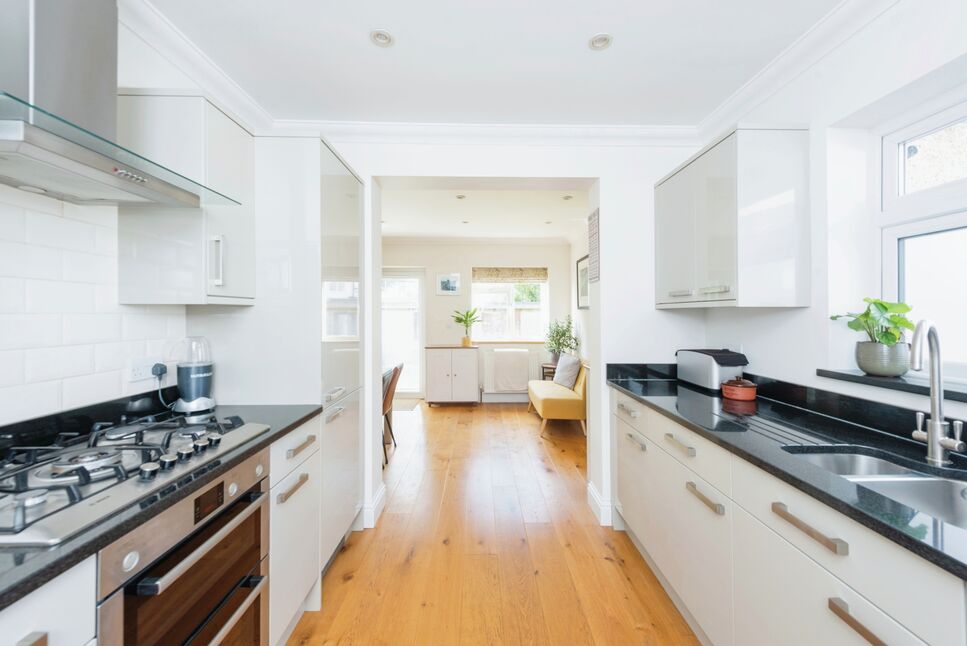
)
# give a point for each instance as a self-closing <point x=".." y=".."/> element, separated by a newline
<point x="90" y="389"/>
<point x="19" y="331"/>
<point x="11" y="295"/>
<point x="143" y="326"/>
<point x="89" y="268"/>
<point x="12" y="223"/>
<point x="46" y="297"/>
<point x="44" y="364"/>
<point x="54" y="231"/>
<point x="91" y="328"/>
<point x="11" y="368"/>
<point x="29" y="401"/>
<point x="27" y="261"/>
<point x="64" y="339"/>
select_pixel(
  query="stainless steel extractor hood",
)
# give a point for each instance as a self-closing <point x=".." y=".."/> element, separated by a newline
<point x="58" y="110"/>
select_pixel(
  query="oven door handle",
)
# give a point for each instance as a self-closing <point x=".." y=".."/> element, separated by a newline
<point x="153" y="586"/>
<point x="260" y="583"/>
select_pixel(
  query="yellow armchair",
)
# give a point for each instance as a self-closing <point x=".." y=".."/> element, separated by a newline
<point x="554" y="401"/>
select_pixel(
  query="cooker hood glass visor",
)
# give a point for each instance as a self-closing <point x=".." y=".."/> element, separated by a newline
<point x="42" y="153"/>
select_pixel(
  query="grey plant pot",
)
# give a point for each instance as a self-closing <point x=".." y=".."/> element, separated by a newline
<point x="555" y="357"/>
<point x="880" y="360"/>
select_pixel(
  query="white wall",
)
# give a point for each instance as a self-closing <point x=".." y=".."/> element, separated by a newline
<point x="636" y="331"/>
<point x="858" y="84"/>
<point x="445" y="257"/>
<point x="65" y="341"/>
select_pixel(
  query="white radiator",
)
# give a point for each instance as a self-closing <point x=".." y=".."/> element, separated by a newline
<point x="507" y="369"/>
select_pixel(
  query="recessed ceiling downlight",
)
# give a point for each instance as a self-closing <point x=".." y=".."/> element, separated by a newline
<point x="381" y="38"/>
<point x="567" y="197"/>
<point x="600" y="41"/>
<point x="461" y="196"/>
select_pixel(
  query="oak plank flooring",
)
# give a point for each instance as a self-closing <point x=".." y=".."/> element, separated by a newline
<point x="487" y="538"/>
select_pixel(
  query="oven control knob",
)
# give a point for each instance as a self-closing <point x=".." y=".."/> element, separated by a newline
<point x="214" y="439"/>
<point x="259" y="470"/>
<point x="167" y="461"/>
<point x="130" y="561"/>
<point x="184" y="454"/>
<point x="200" y="445"/>
<point x="149" y="470"/>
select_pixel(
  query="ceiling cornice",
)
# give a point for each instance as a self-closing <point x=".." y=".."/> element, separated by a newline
<point x="421" y="241"/>
<point x="835" y="28"/>
<point x="144" y="19"/>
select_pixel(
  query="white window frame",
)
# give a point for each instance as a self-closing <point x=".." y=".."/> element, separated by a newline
<point x="419" y="274"/>
<point x="927" y="203"/>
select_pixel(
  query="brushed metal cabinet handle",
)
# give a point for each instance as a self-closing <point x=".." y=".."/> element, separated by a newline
<point x="689" y="450"/>
<point x="680" y="292"/>
<point x="334" y="393"/>
<point x="717" y="507"/>
<point x="336" y="412"/>
<point x="715" y="289"/>
<point x="840" y="608"/>
<point x="219" y="242"/>
<point x="291" y="453"/>
<point x="834" y="545"/>
<point x="285" y="495"/>
<point x="34" y="639"/>
<point x="632" y="413"/>
<point x="239" y="613"/>
<point x="641" y="445"/>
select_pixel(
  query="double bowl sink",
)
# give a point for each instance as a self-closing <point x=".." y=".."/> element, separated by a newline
<point x="943" y="498"/>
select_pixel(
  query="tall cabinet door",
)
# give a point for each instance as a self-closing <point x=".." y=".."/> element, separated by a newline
<point x="715" y="202"/>
<point x="439" y="385"/>
<point x="230" y="230"/>
<point x="465" y="375"/>
<point x="674" y="239"/>
<point x="342" y="213"/>
<point x="341" y="481"/>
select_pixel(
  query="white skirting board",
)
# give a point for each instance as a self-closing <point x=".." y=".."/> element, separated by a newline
<point x="601" y="509"/>
<point x="371" y="512"/>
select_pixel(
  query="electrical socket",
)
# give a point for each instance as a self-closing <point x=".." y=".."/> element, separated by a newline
<point x="140" y="369"/>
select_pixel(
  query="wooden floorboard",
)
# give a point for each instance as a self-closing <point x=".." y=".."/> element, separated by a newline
<point x="487" y="538"/>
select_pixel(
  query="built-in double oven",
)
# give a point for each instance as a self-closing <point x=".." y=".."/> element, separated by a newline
<point x="197" y="573"/>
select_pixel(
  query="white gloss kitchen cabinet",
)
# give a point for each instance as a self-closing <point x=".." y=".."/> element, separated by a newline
<point x="452" y="375"/>
<point x="341" y="227"/>
<point x="732" y="224"/>
<point x="295" y="490"/>
<point x="62" y="612"/>
<point x="755" y="561"/>
<point x="188" y="256"/>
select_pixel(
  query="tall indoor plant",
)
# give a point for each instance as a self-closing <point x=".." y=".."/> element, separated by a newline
<point x="466" y="319"/>
<point x="560" y="338"/>
<point x="885" y="353"/>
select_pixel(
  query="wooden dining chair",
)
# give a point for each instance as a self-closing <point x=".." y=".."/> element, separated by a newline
<point x="389" y="391"/>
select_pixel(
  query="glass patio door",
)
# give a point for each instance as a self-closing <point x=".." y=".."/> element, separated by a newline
<point x="402" y="327"/>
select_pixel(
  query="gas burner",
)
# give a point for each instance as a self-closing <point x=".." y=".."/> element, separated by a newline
<point x="90" y="459"/>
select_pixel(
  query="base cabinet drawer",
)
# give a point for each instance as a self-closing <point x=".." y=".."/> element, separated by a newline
<point x="919" y="595"/>
<point x="783" y="597"/>
<point x="293" y="448"/>
<point x="62" y="611"/>
<point x="293" y="543"/>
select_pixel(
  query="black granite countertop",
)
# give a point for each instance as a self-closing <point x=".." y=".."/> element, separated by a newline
<point x="810" y="420"/>
<point x="24" y="569"/>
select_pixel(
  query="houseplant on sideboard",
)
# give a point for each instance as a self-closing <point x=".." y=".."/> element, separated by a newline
<point x="560" y="338"/>
<point x="885" y="354"/>
<point x="466" y="319"/>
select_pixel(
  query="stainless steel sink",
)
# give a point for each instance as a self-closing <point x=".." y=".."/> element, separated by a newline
<point x="855" y="464"/>
<point x="941" y="498"/>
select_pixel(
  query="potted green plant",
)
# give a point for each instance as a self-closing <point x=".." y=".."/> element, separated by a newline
<point x="885" y="354"/>
<point x="466" y="319"/>
<point x="560" y="338"/>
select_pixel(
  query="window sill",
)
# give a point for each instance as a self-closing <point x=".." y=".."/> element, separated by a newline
<point x="488" y="341"/>
<point x="910" y="384"/>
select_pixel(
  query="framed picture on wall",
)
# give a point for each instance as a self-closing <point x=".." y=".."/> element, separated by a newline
<point x="583" y="282"/>
<point x="448" y="284"/>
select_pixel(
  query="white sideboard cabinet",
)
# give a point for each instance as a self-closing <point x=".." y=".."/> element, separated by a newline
<point x="452" y="375"/>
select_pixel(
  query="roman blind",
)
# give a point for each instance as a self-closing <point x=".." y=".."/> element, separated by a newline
<point x="509" y="274"/>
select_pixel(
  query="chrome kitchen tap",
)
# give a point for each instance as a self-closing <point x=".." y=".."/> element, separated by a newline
<point x="936" y="435"/>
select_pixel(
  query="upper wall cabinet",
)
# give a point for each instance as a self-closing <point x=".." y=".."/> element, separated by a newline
<point x="732" y="224"/>
<point x="188" y="256"/>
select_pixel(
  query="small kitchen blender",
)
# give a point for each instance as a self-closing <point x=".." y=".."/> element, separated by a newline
<point x="195" y="375"/>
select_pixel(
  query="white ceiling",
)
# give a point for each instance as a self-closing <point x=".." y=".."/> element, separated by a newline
<point x="491" y="208"/>
<point x="501" y="61"/>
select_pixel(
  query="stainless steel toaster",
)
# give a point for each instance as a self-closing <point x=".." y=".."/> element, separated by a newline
<point x="709" y="368"/>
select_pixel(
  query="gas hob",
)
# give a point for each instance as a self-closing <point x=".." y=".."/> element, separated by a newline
<point x="50" y="493"/>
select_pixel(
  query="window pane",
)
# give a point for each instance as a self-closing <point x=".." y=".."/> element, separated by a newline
<point x="932" y="276"/>
<point x="934" y="159"/>
<point x="510" y="311"/>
